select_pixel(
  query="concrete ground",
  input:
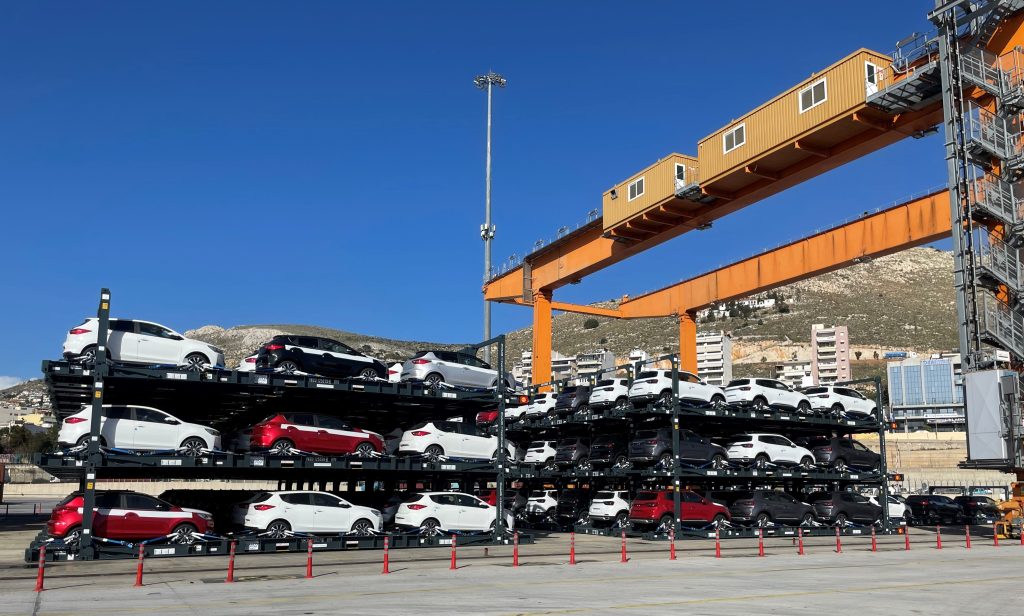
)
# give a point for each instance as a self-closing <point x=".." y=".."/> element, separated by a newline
<point x="889" y="581"/>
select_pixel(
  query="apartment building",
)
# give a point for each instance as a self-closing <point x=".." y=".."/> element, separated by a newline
<point x="830" y="354"/>
<point x="714" y="357"/>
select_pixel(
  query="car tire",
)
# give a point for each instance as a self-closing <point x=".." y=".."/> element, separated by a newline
<point x="837" y="410"/>
<point x="433" y="452"/>
<point x="620" y="461"/>
<point x="369" y="373"/>
<point x="278" y="529"/>
<point x="760" y="403"/>
<point x="761" y="460"/>
<point x="666" y="459"/>
<point x="718" y="400"/>
<point x="583" y="463"/>
<point x="361" y="527"/>
<point x="288" y="366"/>
<point x="763" y="519"/>
<point x="192" y="446"/>
<point x="365" y="450"/>
<point x="719" y="519"/>
<point x="281" y="447"/>
<point x="803" y="407"/>
<point x="583" y="409"/>
<point x="841" y="519"/>
<point x="73" y="537"/>
<point x="196" y="362"/>
<point x="665" y="398"/>
<point x="807" y="463"/>
<point x="666" y="521"/>
<point x="621" y="403"/>
<point x="84" y="441"/>
<point x="840" y="466"/>
<point x="718" y="461"/>
<point x="621" y="519"/>
<point x="807" y="519"/>
<point x="433" y="380"/>
<point x="430" y="527"/>
<point x="88" y="355"/>
<point x="183" y="534"/>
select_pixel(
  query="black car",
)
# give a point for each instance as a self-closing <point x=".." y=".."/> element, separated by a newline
<point x="572" y="400"/>
<point x="767" y="507"/>
<point x="572" y="451"/>
<point x="317" y="355"/>
<point x="573" y="506"/>
<point x="609" y="450"/>
<point x="978" y="509"/>
<point x="934" y="509"/>
<point x="842" y="452"/>
<point x="841" y="507"/>
<point x="694" y="449"/>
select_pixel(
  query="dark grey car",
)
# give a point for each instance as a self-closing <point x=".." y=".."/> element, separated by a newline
<point x="572" y="400"/>
<point x="572" y="451"/>
<point x="843" y="452"/>
<point x="841" y="507"/>
<point x="656" y="445"/>
<point x="768" y="507"/>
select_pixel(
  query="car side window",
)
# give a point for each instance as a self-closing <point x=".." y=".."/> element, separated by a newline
<point x="306" y="342"/>
<point x="141" y="501"/>
<point x="108" y="501"/>
<point x="303" y="419"/>
<point x="122" y="325"/>
<point x="296" y="499"/>
<point x="150" y="329"/>
<point x="331" y="423"/>
<point x="690" y="497"/>
<point x="325" y="500"/>
<point x="858" y="446"/>
<point x="117" y="412"/>
<point x="444" y="499"/>
<point x="149" y="415"/>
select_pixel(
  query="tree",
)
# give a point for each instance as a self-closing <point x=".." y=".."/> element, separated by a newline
<point x="763" y="359"/>
<point x="857" y="354"/>
<point x="876" y="354"/>
<point x="590" y="324"/>
<point x="711" y="316"/>
<point x="603" y="341"/>
<point x="782" y="308"/>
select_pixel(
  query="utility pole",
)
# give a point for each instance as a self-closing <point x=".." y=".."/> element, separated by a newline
<point x="487" y="82"/>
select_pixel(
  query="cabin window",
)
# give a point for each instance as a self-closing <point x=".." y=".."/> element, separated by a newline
<point x="813" y="95"/>
<point x="871" y="73"/>
<point x="636" y="188"/>
<point x="734" y="138"/>
<point x="680" y="173"/>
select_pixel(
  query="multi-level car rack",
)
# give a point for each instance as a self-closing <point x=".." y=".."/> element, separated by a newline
<point x="712" y="422"/>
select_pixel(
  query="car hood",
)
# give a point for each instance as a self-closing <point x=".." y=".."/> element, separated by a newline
<point x="199" y="511"/>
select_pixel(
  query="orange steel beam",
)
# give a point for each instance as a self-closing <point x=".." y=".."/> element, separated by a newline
<point x="688" y="341"/>
<point x="910" y="224"/>
<point x="580" y="309"/>
<point x="542" y="337"/>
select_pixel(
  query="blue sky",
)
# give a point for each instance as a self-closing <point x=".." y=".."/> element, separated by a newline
<point x="322" y="162"/>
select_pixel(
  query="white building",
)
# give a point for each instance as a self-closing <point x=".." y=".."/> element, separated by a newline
<point x="562" y="367"/>
<point x="795" y="373"/>
<point x="590" y="364"/>
<point x="722" y="310"/>
<point x="830" y="354"/>
<point x="714" y="357"/>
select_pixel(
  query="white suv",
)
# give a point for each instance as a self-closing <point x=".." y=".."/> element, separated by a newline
<point x="762" y="449"/>
<point x="841" y="401"/>
<point x="432" y="512"/>
<point x="279" y="514"/>
<point x="609" y="393"/>
<point x="138" y="428"/>
<point x="455" y="439"/>
<point x="540" y="452"/>
<point x="764" y="393"/>
<point x="657" y="385"/>
<point x="541" y="404"/>
<point x="610" y="507"/>
<point x="542" y="503"/>
<point x="140" y="342"/>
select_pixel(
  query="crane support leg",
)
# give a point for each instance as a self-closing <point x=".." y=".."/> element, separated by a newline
<point x="542" y="337"/>
<point x="687" y="342"/>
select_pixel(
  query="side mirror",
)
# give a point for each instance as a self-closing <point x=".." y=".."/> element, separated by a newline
<point x="176" y="337"/>
<point x="344" y="505"/>
<point x="171" y="420"/>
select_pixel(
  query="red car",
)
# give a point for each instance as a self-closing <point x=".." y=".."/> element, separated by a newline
<point x="122" y="514"/>
<point x="657" y="507"/>
<point x="323" y="434"/>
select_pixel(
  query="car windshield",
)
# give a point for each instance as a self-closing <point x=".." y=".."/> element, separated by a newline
<point x="739" y="438"/>
<point x="984" y="500"/>
<point x="646" y="434"/>
<point x="737" y="382"/>
<point x="650" y="374"/>
<point x="604" y="495"/>
<point x="538" y="494"/>
<point x="818" y="496"/>
<point x="540" y="397"/>
<point x="413" y="498"/>
<point x="605" y="383"/>
<point x="420" y="426"/>
<point x="259" y="497"/>
<point x="816" y="390"/>
<point x="646" y="496"/>
<point x="537" y="444"/>
<point x="567" y="442"/>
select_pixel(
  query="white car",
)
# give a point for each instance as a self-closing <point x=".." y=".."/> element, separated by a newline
<point x="138" y="428"/>
<point x="248" y="364"/>
<point x="542" y="502"/>
<point x="652" y="385"/>
<point x="540" y="452"/>
<point x="541" y="404"/>
<point x="762" y="449"/>
<point x="609" y="506"/>
<point x="764" y="393"/>
<point x="840" y="401"/>
<point x="449" y="367"/>
<point x="433" y="439"/>
<point x="436" y="511"/>
<point x="395" y="372"/>
<point x="279" y="514"/>
<point x="609" y="393"/>
<point x="898" y="509"/>
<point x="140" y="342"/>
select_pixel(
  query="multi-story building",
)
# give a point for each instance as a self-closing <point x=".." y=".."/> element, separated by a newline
<point x="714" y="357"/>
<point x="830" y="354"/>
<point x="590" y="364"/>
<point x="562" y="367"/>
<point x="796" y="374"/>
<point x="926" y="392"/>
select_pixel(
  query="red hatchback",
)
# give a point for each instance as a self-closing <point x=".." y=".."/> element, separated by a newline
<point x="323" y="434"/>
<point x="127" y="515"/>
<point x="657" y="507"/>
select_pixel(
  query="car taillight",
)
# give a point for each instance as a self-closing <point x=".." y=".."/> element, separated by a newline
<point x="747" y="445"/>
<point x="263" y="507"/>
<point x="417" y="507"/>
<point x="78" y="330"/>
<point x="274" y="347"/>
<point x="745" y="503"/>
<point x="825" y="449"/>
<point x="250" y="360"/>
<point x="392" y="371"/>
<point x="420" y="362"/>
<point x="652" y="442"/>
<point x="74" y="420"/>
<point x="825" y="503"/>
<point x="420" y="433"/>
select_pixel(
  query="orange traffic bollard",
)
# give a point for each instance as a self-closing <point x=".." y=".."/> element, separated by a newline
<point x="387" y="568"/>
<point x="718" y="545"/>
<point x="624" y="559"/>
<point x="572" y="548"/>
<point x="760" y="542"/>
<point x="995" y="534"/>
<point x="967" y="536"/>
<point x="42" y="567"/>
<point x="874" y="540"/>
<point x="515" y="549"/>
<point x="672" y="544"/>
<point x="906" y="540"/>
<point x="309" y="558"/>
<point x="453" y="566"/>
<point x="231" y="563"/>
<point x="800" y="541"/>
<point x="938" y="537"/>
<point x="138" y="569"/>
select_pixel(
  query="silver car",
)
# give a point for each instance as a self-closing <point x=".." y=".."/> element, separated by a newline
<point x="452" y="368"/>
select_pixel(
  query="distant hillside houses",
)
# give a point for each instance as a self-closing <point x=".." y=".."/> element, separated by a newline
<point x="727" y="309"/>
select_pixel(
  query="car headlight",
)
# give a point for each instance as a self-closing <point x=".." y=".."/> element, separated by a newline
<point x="205" y="516"/>
<point x="212" y="432"/>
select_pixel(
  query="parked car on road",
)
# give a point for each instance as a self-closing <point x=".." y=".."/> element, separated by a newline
<point x="840" y="453"/>
<point x="978" y="509"/>
<point x="934" y="509"/>
<point x="434" y="368"/>
<point x="610" y="507"/>
<point x="283" y="432"/>
<point x="766" y="393"/>
<point x="764" y="449"/>
<point x="140" y="342"/>
<point x="657" y="508"/>
<point x="432" y="512"/>
<point x="316" y="355"/>
<point x="540" y="452"/>
<point x="279" y="514"/>
<point x="434" y="439"/>
<point x="574" y="451"/>
<point x="840" y="401"/>
<point x="609" y="394"/>
<point x="841" y="507"/>
<point x="126" y="515"/>
<point x="138" y="428"/>
<point x="767" y="507"/>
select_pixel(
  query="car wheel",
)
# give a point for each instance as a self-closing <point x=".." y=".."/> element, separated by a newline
<point x="196" y="362"/>
<point x="621" y="519"/>
<point x="193" y="446"/>
<point x="88" y="356"/>
<point x="365" y="450"/>
<point x="282" y="447"/>
<point x="288" y="366"/>
<point x="760" y="403"/>
<point x="807" y="463"/>
<point x="368" y="373"/>
<point x="761" y="460"/>
<point x="932" y="517"/>
<point x="807" y="519"/>
<point x="803" y="407"/>
<point x="718" y="461"/>
<point x="763" y="519"/>
<point x="666" y="460"/>
<point x="430" y="527"/>
<point x="837" y="410"/>
<point x="666" y="398"/>
<point x="717" y="400"/>
<point x="583" y="409"/>
<point x="583" y="463"/>
<point x="842" y="519"/>
<point x="183" y="533"/>
<point x="718" y="520"/>
<point x="433" y="380"/>
<point x="840" y="465"/>
<point x="279" y="529"/>
<point x="621" y="403"/>
<point x="73" y="537"/>
<point x="362" y="527"/>
<point x="433" y="452"/>
<point x="666" y="521"/>
<point x="620" y="461"/>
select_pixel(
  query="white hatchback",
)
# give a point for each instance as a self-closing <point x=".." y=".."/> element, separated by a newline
<point x="542" y="502"/>
<point x="432" y="512"/>
<point x="540" y="452"/>
<point x="454" y="439"/>
<point x="140" y="342"/>
<point x="248" y="364"/>
<point x="541" y="404"/>
<point x="762" y="449"/>
<point x="139" y="428"/>
<point x="610" y="506"/>
<point x="609" y="393"/>
<point x="653" y="385"/>
<point x="765" y="393"/>
<point x="841" y="401"/>
<point x="279" y="514"/>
